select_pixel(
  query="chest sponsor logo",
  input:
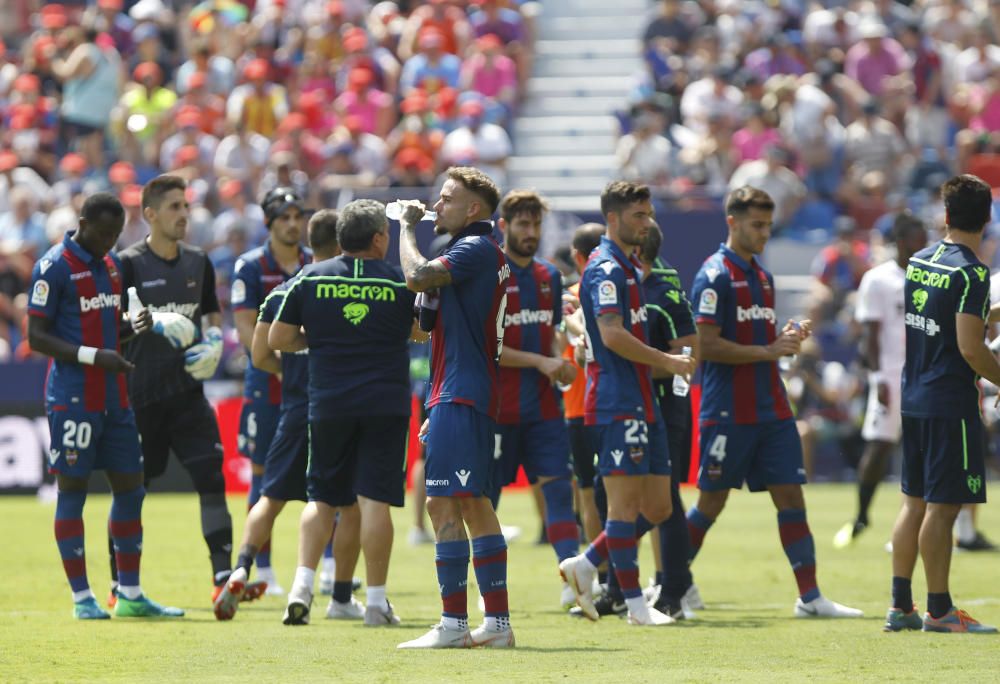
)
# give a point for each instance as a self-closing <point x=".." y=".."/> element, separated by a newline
<point x="709" y="302"/>
<point x="101" y="301"/>
<point x="927" y="277"/>
<point x="187" y="309"/>
<point x="639" y="316"/>
<point x="528" y="317"/>
<point x="239" y="293"/>
<point x="920" y="300"/>
<point x="928" y="325"/>
<point x="607" y="293"/>
<point x="377" y="293"/>
<point x="355" y="312"/>
<point x="755" y="313"/>
<point x="159" y="282"/>
<point x="40" y="293"/>
<point x="80" y="276"/>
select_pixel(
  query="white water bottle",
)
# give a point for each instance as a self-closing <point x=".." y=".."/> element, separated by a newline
<point x="682" y="383"/>
<point x="135" y="306"/>
<point x="394" y="211"/>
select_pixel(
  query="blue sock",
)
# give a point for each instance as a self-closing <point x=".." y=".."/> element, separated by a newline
<point x="624" y="556"/>
<point x="69" y="538"/>
<point x="698" y="524"/>
<point x="452" y="560"/>
<point x="560" y="522"/>
<point x="328" y="550"/>
<point x="489" y="560"/>
<point x="125" y="524"/>
<point x="263" y="558"/>
<point x="675" y="549"/>
<point x="902" y="594"/>
<point x="800" y="549"/>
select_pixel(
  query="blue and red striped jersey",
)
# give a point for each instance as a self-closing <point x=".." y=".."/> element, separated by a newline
<point x="617" y="389"/>
<point x="468" y="330"/>
<point x="739" y="298"/>
<point x="81" y="294"/>
<point x="534" y="312"/>
<point x="256" y="273"/>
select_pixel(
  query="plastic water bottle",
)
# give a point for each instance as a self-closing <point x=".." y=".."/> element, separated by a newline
<point x="785" y="362"/>
<point x="394" y="211"/>
<point x="682" y="383"/>
<point x="135" y="307"/>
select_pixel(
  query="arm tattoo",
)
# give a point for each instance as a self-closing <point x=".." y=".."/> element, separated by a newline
<point x="421" y="275"/>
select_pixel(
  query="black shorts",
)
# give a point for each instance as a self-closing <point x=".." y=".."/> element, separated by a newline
<point x="358" y="456"/>
<point x="581" y="443"/>
<point x="679" y="439"/>
<point x="287" y="458"/>
<point x="185" y="424"/>
<point x="943" y="460"/>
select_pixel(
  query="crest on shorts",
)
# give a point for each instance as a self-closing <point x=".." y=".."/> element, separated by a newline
<point x="920" y="300"/>
<point x="355" y="312"/>
<point x="975" y="483"/>
<point x="636" y="453"/>
<point x="71" y="456"/>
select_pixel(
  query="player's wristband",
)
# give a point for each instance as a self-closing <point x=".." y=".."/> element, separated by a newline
<point x="86" y="355"/>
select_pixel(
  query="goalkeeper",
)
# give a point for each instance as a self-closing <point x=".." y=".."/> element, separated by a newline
<point x="177" y="283"/>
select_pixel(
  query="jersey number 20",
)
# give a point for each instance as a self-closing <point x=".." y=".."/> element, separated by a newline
<point x="76" y="435"/>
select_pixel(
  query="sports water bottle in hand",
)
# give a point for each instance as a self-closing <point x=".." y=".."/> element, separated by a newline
<point x="394" y="211"/>
<point x="135" y="306"/>
<point x="682" y="383"/>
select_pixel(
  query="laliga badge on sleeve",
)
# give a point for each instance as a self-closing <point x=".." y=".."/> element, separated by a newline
<point x="607" y="293"/>
<point x="239" y="294"/>
<point x="40" y="293"/>
<point x="709" y="302"/>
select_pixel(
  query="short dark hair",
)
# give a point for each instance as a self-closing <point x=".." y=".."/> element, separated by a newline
<point x="478" y="183"/>
<point x="743" y="199"/>
<point x="322" y="229"/>
<point x="620" y="194"/>
<point x="905" y="224"/>
<point x="157" y="189"/>
<point x="587" y="237"/>
<point x="358" y="224"/>
<point x="651" y="245"/>
<point x="99" y="204"/>
<point x="968" y="203"/>
<point x="522" y="202"/>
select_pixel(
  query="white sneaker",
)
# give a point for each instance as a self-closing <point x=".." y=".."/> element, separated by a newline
<point x="824" y="607"/>
<point x="510" y="533"/>
<point x="377" y="616"/>
<point x="651" y="593"/>
<point x="419" y="536"/>
<point x="649" y="617"/>
<point x="299" y="603"/>
<point x="691" y="601"/>
<point x="273" y="588"/>
<point x="441" y="637"/>
<point x="352" y="610"/>
<point x="578" y="573"/>
<point x="567" y="599"/>
<point x="488" y="638"/>
<point x="325" y="583"/>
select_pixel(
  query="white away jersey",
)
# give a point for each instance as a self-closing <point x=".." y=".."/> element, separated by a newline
<point x="880" y="299"/>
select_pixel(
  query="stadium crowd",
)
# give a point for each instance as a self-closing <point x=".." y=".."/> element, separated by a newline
<point x="323" y="96"/>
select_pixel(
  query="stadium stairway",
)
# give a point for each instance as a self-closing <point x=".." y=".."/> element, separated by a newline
<point x="587" y="54"/>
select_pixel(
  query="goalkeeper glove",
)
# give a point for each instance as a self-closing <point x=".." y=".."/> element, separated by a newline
<point x="201" y="360"/>
<point x="177" y="328"/>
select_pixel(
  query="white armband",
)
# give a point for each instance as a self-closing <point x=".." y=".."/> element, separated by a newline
<point x="86" y="355"/>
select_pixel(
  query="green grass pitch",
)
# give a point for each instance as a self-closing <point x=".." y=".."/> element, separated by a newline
<point x="747" y="634"/>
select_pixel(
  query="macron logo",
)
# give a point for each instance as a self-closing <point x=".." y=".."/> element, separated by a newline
<point x="618" y="455"/>
<point x="528" y="317"/>
<point x="101" y="301"/>
<point x="463" y="476"/>
<point x="755" y="313"/>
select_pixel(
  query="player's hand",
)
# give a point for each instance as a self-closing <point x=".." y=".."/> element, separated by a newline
<point x="142" y="322"/>
<point x="570" y="303"/>
<point x="680" y="364"/>
<point x="110" y="360"/>
<point x="177" y="328"/>
<point x="424" y="429"/>
<point x="567" y="373"/>
<point x="413" y="212"/>
<point x="551" y="367"/>
<point x="580" y="353"/>
<point x="882" y="392"/>
<point x="201" y="360"/>
<point x="787" y="344"/>
<point x="805" y="329"/>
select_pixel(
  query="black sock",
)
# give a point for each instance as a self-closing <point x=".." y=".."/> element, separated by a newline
<point x="866" y="492"/>
<point x="245" y="558"/>
<point x="614" y="589"/>
<point x="938" y="604"/>
<point x="114" y="561"/>
<point x="602" y="576"/>
<point x="902" y="594"/>
<point x="342" y="591"/>
<point x="220" y="547"/>
<point x="659" y="578"/>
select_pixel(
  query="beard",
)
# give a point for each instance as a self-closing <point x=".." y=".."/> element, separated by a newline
<point x="520" y="250"/>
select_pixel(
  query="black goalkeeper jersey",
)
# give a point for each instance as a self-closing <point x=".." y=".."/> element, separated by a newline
<point x="185" y="285"/>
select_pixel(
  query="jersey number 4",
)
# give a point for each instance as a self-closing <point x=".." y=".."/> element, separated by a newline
<point x="76" y="435"/>
<point x="718" y="448"/>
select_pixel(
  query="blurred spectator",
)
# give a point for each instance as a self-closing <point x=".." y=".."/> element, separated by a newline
<point x="211" y="108"/>
<point x="756" y="135"/>
<point x="773" y="175"/>
<point x="219" y="70"/>
<point x="488" y="144"/>
<point x="261" y="104"/>
<point x="432" y="68"/>
<point x="13" y="174"/>
<point x="979" y="60"/>
<point x="361" y="99"/>
<point x="73" y="171"/>
<point x="436" y="17"/>
<point x="22" y="227"/>
<point x="777" y="56"/>
<point x="411" y="169"/>
<point x="669" y="31"/>
<point x="362" y="54"/>
<point x="242" y="155"/>
<point x="876" y="58"/>
<point x="144" y="113"/>
<point x="874" y="144"/>
<point x="491" y="73"/>
<point x="135" y="228"/>
<point x="238" y="211"/>
<point x="644" y="155"/>
<point x="309" y="150"/>
<point x="927" y="122"/>
<point x="224" y="258"/>
<point x="188" y="133"/>
<point x="368" y="154"/>
<point x="839" y="266"/>
<point x="108" y="17"/>
<point x="711" y="95"/>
